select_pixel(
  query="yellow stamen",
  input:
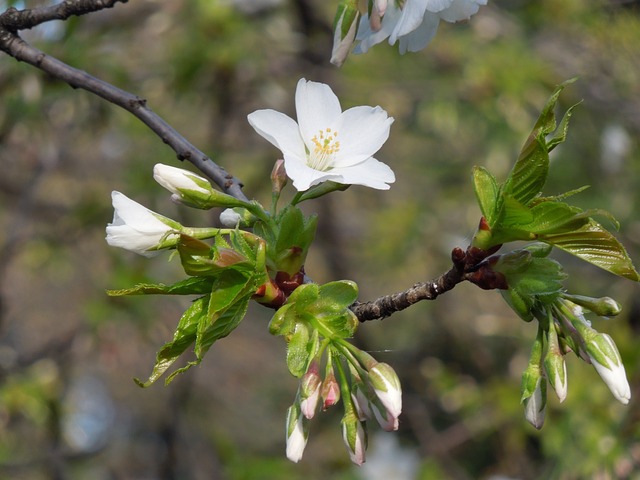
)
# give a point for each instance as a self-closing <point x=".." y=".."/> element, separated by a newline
<point x="325" y="148"/>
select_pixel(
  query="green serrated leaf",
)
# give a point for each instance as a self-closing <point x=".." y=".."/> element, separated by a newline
<point x="303" y="296"/>
<point x="530" y="171"/>
<point x="225" y="323"/>
<point x="529" y="174"/>
<point x="189" y="286"/>
<point x="557" y="198"/>
<point x="487" y="192"/>
<point x="183" y="337"/>
<point x="297" y="351"/>
<point x="594" y="244"/>
<point x="336" y="296"/>
<point x="291" y="222"/>
<point x="555" y="217"/>
<point x="340" y="325"/>
<point x="230" y="295"/>
<point x="561" y="132"/>
<point x="514" y="213"/>
<point x="284" y="320"/>
<point x="546" y="122"/>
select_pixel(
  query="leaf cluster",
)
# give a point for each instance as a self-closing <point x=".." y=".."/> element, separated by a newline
<point x="516" y="210"/>
<point x="226" y="276"/>
<point x="314" y="313"/>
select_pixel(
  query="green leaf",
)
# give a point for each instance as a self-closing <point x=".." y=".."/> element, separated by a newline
<point x="487" y="192"/>
<point x="514" y="213"/>
<point x="297" y="351"/>
<point x="231" y="291"/>
<point x="596" y="245"/>
<point x="555" y="217"/>
<point x="224" y="323"/>
<point x="546" y="122"/>
<point x="560" y="197"/>
<point x="334" y="326"/>
<point x="530" y="171"/>
<point x="336" y="296"/>
<point x="561" y="132"/>
<point x="331" y="310"/>
<point x="303" y="296"/>
<point x="291" y="222"/>
<point x="183" y="337"/>
<point x="189" y="286"/>
<point x="284" y="320"/>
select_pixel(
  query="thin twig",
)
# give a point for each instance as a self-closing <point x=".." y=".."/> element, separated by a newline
<point x="467" y="266"/>
<point x="15" y="20"/>
<point x="16" y="47"/>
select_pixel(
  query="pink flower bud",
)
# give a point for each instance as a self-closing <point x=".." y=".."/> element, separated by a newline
<point x="310" y="390"/>
<point x="330" y="390"/>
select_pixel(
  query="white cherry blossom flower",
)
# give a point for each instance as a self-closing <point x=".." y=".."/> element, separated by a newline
<point x="327" y="144"/>
<point x="136" y="228"/>
<point x="414" y="25"/>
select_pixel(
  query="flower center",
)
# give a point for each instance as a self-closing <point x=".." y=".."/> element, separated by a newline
<point x="325" y="147"/>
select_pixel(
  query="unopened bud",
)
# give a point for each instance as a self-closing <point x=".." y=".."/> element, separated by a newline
<point x="278" y="177"/>
<point x="603" y="306"/>
<point x="605" y="358"/>
<point x="535" y="404"/>
<point x="330" y="390"/>
<point x="354" y="434"/>
<point x="386" y="385"/>
<point x="555" y="366"/>
<point x="344" y="31"/>
<point x="297" y="433"/>
<point x="191" y="189"/>
<point x="310" y="390"/>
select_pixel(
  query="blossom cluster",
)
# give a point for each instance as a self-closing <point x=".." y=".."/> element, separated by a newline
<point x="563" y="328"/>
<point x="370" y="390"/>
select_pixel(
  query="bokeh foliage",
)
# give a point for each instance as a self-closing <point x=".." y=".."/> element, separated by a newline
<point x="69" y="407"/>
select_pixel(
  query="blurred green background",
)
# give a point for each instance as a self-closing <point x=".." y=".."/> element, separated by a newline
<point x="68" y="406"/>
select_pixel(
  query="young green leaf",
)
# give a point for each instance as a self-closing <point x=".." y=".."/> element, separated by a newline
<point x="561" y="132"/>
<point x="335" y="297"/>
<point x="183" y="337"/>
<point x="555" y="217"/>
<point x="229" y="297"/>
<point x="224" y="323"/>
<point x="297" y="349"/>
<point x="596" y="245"/>
<point x="530" y="171"/>
<point x="188" y="286"/>
<point x="487" y="192"/>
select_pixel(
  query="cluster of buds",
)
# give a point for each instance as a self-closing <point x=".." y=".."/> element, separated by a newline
<point x="368" y="389"/>
<point x="563" y="328"/>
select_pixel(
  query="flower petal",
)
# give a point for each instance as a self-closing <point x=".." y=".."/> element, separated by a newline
<point x="368" y="37"/>
<point x="436" y="6"/>
<point x="130" y="212"/>
<point x="317" y="107"/>
<point x="279" y="129"/>
<point x="303" y="176"/>
<point x="421" y="36"/>
<point x="461" y="10"/>
<point x="411" y="18"/>
<point x="370" y="173"/>
<point x="362" y="131"/>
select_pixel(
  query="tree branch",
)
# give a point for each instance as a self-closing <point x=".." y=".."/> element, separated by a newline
<point x="467" y="265"/>
<point x="13" y="20"/>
